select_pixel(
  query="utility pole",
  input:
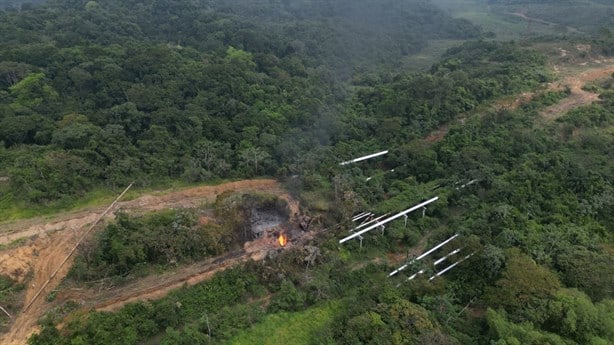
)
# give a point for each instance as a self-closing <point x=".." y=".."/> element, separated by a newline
<point x="72" y="251"/>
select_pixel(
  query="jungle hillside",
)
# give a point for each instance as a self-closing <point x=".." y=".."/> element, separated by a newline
<point x="307" y="172"/>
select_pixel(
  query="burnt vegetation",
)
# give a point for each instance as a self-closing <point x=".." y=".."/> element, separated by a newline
<point x="139" y="245"/>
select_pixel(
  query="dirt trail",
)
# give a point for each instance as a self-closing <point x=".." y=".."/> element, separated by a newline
<point x="49" y="252"/>
<point x="191" y="197"/>
<point x="573" y="79"/>
<point x="530" y="19"/>
<point x="27" y="228"/>
<point x="541" y="21"/>
<point x="56" y="237"/>
<point x="153" y="287"/>
<point x="577" y="97"/>
<point x="157" y="286"/>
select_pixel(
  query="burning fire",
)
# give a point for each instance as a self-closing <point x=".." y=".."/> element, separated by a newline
<point x="282" y="239"/>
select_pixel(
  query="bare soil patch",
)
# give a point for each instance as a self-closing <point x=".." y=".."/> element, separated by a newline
<point x="577" y="97"/>
<point x="51" y="239"/>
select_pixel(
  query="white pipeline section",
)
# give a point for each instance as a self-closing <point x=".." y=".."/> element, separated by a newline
<point x="423" y="255"/>
<point x="369" y="222"/>
<point x="438" y="261"/>
<point x="387" y="220"/>
<point x="415" y="275"/>
<point x="450" y="267"/>
<point x="364" y="158"/>
<point x="361" y="216"/>
<point x="467" y="184"/>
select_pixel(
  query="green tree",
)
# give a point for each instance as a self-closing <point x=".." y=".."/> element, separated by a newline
<point x="208" y="159"/>
<point x="589" y="271"/>
<point x="253" y="160"/>
<point x="288" y="298"/>
<point x="504" y="332"/>
<point x="572" y="314"/>
<point x="367" y="328"/>
<point x="13" y="72"/>
<point x="240" y="58"/>
<point x="74" y="136"/>
<point x="523" y="287"/>
<point x="33" y="93"/>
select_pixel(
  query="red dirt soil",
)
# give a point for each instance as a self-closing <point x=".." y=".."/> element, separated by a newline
<point x="577" y="97"/>
<point x="53" y="239"/>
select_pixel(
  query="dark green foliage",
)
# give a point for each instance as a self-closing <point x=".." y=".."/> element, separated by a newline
<point x="569" y="318"/>
<point x="588" y="270"/>
<point x="164" y="238"/>
<point x="165" y="90"/>
<point x="589" y="116"/>
<point x="288" y="298"/>
<point x="507" y="333"/>
<point x="140" y="321"/>
<point x="192" y="90"/>
<point x="605" y="41"/>
<point x="15" y="4"/>
<point x="350" y="33"/>
<point x="414" y="104"/>
<point x="42" y="175"/>
<point x="382" y="318"/>
<point x="11" y="299"/>
<point x="229" y="320"/>
<point x="523" y="287"/>
<point x="569" y="16"/>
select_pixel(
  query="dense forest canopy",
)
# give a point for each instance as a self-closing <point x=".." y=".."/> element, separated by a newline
<point x="94" y="95"/>
<point x="321" y="31"/>
<point x="115" y="91"/>
<point x="17" y="4"/>
<point x="587" y="16"/>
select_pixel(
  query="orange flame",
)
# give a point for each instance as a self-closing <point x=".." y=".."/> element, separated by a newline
<point x="282" y="239"/>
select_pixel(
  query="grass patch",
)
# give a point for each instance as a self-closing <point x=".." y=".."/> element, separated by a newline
<point x="13" y="209"/>
<point x="14" y="244"/>
<point x="506" y="27"/>
<point x="288" y="328"/>
<point x="423" y="60"/>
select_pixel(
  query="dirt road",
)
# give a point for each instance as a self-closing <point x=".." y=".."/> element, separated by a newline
<point x="541" y="21"/>
<point x="577" y="97"/>
<point x="57" y="236"/>
<point x="157" y="286"/>
<point x="190" y="197"/>
<point x="574" y="76"/>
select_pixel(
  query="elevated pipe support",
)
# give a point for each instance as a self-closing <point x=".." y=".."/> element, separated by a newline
<point x="423" y="255"/>
<point x="401" y="214"/>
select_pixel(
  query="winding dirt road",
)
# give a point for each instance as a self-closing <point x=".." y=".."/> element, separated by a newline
<point x="54" y="238"/>
<point x="192" y="197"/>
<point x="577" y="96"/>
<point x="541" y="21"/>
